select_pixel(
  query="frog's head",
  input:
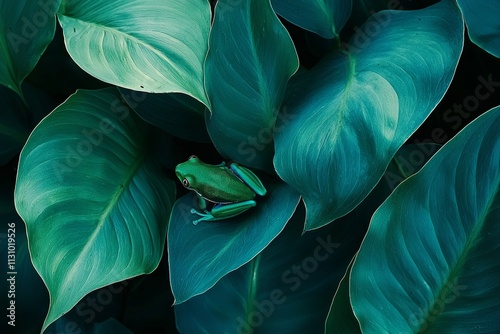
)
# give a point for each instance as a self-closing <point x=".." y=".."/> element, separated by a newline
<point x="186" y="172"/>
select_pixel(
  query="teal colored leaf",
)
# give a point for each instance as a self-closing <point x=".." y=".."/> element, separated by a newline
<point x="229" y="304"/>
<point x="407" y="161"/>
<point x="341" y="318"/>
<point x="26" y="29"/>
<point x="29" y="288"/>
<point x="94" y="202"/>
<point x="345" y="118"/>
<point x="287" y="288"/>
<point x="200" y="255"/>
<point x="483" y="24"/>
<point x="142" y="45"/>
<point x="323" y="17"/>
<point x="177" y="114"/>
<point x="250" y="60"/>
<point x="438" y="268"/>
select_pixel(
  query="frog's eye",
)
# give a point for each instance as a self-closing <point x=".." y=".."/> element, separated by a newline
<point x="192" y="157"/>
<point x="185" y="183"/>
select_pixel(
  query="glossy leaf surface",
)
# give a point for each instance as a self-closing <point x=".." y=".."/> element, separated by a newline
<point x="407" y="161"/>
<point x="288" y="287"/>
<point x="26" y="29"/>
<point x="482" y="23"/>
<point x="95" y="204"/>
<point x="140" y="44"/>
<point x="323" y="17"/>
<point x="250" y="60"/>
<point x="350" y="114"/>
<point x="200" y="255"/>
<point x="438" y="269"/>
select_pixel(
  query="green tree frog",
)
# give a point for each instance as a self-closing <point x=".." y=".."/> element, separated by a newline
<point x="222" y="191"/>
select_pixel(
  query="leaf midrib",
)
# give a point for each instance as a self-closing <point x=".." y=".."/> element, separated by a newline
<point x="459" y="264"/>
<point x="121" y="188"/>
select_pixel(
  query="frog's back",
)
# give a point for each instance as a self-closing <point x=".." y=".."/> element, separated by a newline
<point x="223" y="186"/>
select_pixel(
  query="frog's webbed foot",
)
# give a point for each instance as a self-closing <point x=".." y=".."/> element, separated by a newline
<point x="203" y="216"/>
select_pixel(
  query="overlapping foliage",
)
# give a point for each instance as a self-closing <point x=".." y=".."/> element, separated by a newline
<point x="96" y="190"/>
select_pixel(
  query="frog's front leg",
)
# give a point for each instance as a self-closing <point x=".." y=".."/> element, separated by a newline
<point x="222" y="211"/>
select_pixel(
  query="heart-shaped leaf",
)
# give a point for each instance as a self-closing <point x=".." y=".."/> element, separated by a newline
<point x="323" y="17"/>
<point x="350" y="114"/>
<point x="483" y="24"/>
<point x="250" y="60"/>
<point x="200" y="255"/>
<point x="142" y="45"/>
<point x="437" y="269"/>
<point x="177" y="114"/>
<point x="26" y="29"/>
<point x="95" y="204"/>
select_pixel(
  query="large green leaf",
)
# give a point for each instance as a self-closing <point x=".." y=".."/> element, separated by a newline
<point x="287" y="288"/>
<point x="26" y="29"/>
<point x="200" y="255"/>
<point x="177" y="114"/>
<point x="28" y="289"/>
<point x="438" y="268"/>
<point x="95" y="204"/>
<point x="143" y="45"/>
<point x="349" y="115"/>
<point x="407" y="161"/>
<point x="483" y="23"/>
<point x="294" y="264"/>
<point x="323" y="17"/>
<point x="250" y="60"/>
